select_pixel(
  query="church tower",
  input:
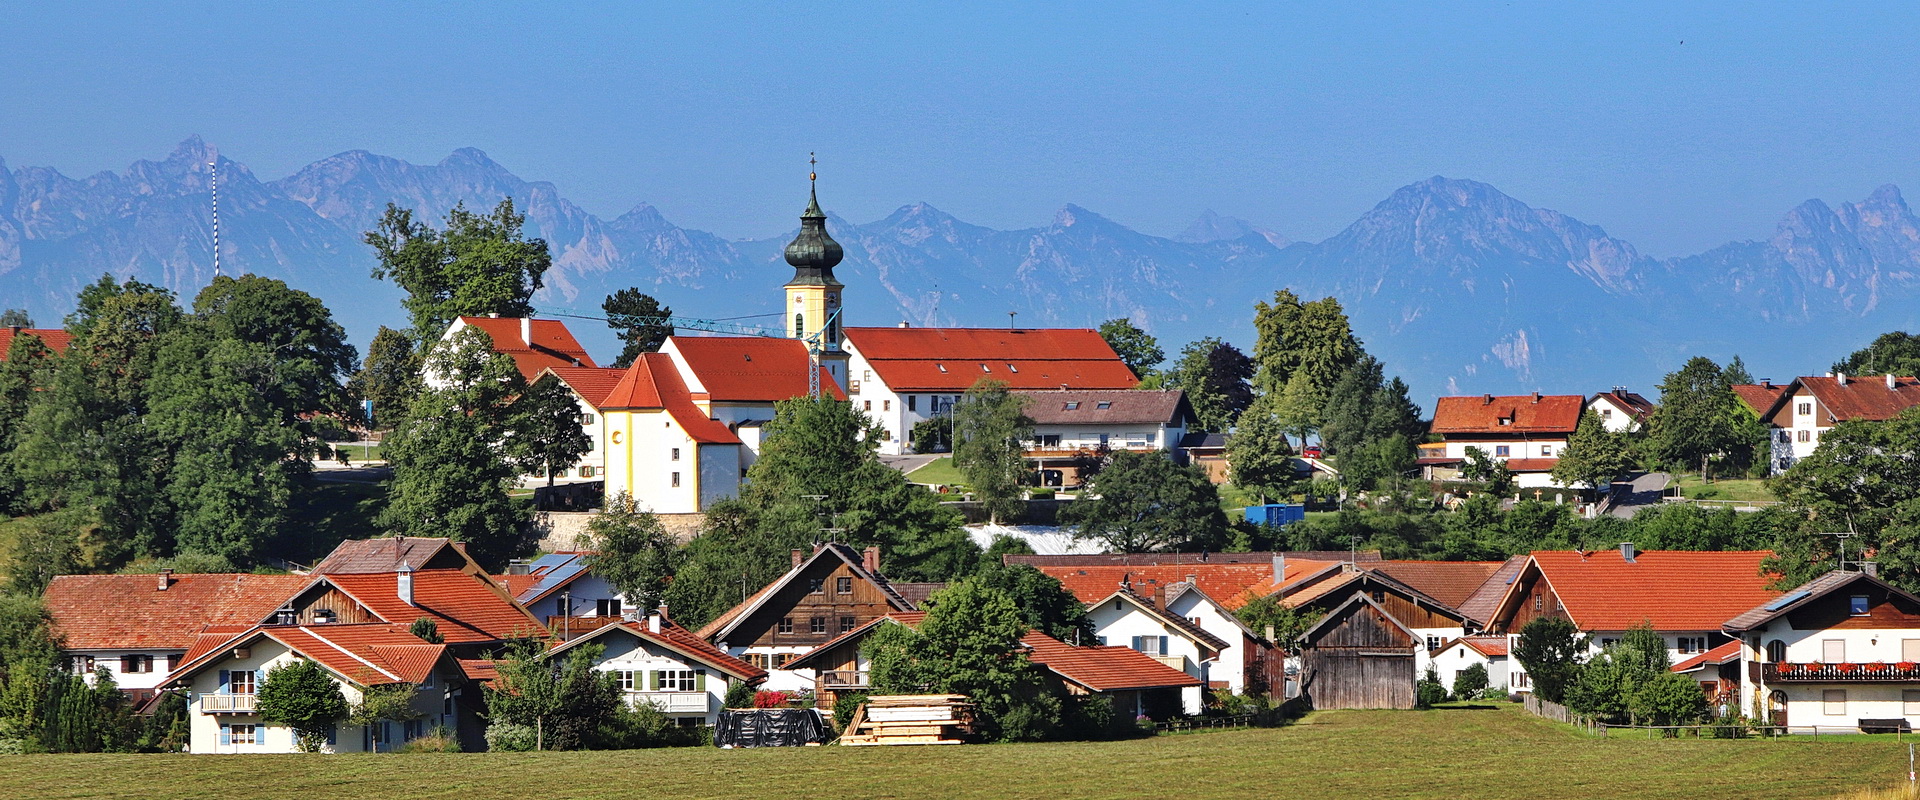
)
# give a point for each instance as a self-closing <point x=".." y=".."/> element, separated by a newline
<point x="813" y="301"/>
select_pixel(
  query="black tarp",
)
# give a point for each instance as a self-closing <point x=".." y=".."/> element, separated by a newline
<point x="770" y="727"/>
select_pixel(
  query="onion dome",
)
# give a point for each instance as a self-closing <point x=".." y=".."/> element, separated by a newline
<point x="813" y="253"/>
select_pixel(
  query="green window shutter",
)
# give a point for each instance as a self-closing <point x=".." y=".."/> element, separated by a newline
<point x="699" y="680"/>
<point x="653" y="680"/>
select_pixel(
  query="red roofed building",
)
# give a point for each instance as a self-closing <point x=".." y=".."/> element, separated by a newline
<point x="140" y="627"/>
<point x="1621" y="410"/>
<point x="1808" y="407"/>
<point x="1531" y="429"/>
<point x="1493" y="653"/>
<point x="1686" y="596"/>
<point x="224" y="673"/>
<point x="902" y="376"/>
<point x="55" y="339"/>
<point x="534" y="344"/>
<point x="666" y="666"/>
<point x="591" y="386"/>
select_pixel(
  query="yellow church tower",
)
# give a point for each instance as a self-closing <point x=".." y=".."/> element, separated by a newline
<point x="813" y="302"/>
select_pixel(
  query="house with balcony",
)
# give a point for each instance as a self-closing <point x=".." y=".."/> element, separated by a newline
<point x="1811" y="406"/>
<point x="223" y="674"/>
<point x="825" y="594"/>
<point x="1073" y="425"/>
<point x="1686" y="596"/>
<point x="400" y="580"/>
<point x="660" y="664"/>
<point x="903" y="376"/>
<point x="140" y="627"/>
<point x="1148" y="625"/>
<point x="1842" y="650"/>
<point x="561" y="590"/>
<point x="1524" y="432"/>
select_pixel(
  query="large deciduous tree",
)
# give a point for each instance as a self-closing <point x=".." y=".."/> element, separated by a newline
<point x="990" y="425"/>
<point x="1311" y="338"/>
<point x="1258" y="456"/>
<point x="547" y="432"/>
<point x="1863" y="478"/>
<point x="389" y="379"/>
<point x="303" y="696"/>
<point x="1699" y="418"/>
<point x="1593" y="455"/>
<point x="632" y="551"/>
<point x="479" y="264"/>
<point x="1136" y="347"/>
<point x="1216" y="379"/>
<point x="1143" y="502"/>
<point x="968" y="644"/>
<point x="638" y="319"/>
<point x="1895" y="352"/>
<point x="1550" y="649"/>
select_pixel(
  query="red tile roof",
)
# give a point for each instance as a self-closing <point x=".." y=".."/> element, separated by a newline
<point x="1719" y="655"/>
<point x="1122" y="406"/>
<point x="682" y="641"/>
<point x="1759" y="397"/>
<point x="552" y="346"/>
<point x="55" y="339"/>
<point x="952" y="359"/>
<point x="1863" y="397"/>
<point x="105" y="612"/>
<point x="1450" y="582"/>
<point x="1677" y="590"/>
<point x="387" y="553"/>
<point x="370" y="654"/>
<point x="1103" y="669"/>
<point x="466" y="608"/>
<point x="653" y="382"/>
<point x="749" y="369"/>
<point x="1553" y="413"/>
<point x="593" y="384"/>
<point x="1486" y="645"/>
<point x="1531" y="464"/>
<point x="831" y="554"/>
<point x="1231" y="584"/>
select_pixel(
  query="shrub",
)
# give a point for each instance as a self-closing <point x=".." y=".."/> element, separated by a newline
<point x="507" y="737"/>
<point x="844" y="707"/>
<point x="1429" y="691"/>
<point x="739" y="695"/>
<point x="769" y="699"/>
<point x="1087" y="717"/>
<point x="629" y="728"/>
<point x="439" y="740"/>
<point x="1468" y="683"/>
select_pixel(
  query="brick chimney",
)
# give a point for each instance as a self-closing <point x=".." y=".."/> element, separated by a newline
<point x="1536" y="397"/>
<point x="1486" y="399"/>
<point x="870" y="559"/>
<point x="1160" y="596"/>
<point x="166" y="579"/>
<point x="799" y="557"/>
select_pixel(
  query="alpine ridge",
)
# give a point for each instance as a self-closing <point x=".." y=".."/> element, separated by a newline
<point x="1457" y="286"/>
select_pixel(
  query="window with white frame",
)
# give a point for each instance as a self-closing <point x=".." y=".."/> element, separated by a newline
<point x="674" y="680"/>
<point x="1501" y="451"/>
<point x="1151" y="645"/>
<point x="241" y="681"/>
<point x="624" y="677"/>
<point x="1804" y="436"/>
<point x="1546" y="451"/>
<point x="238" y="733"/>
<point x="1833" y="702"/>
<point x="82" y="665"/>
<point x="1803" y="408"/>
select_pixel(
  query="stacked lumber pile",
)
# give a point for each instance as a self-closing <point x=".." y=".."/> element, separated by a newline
<point x="910" y="719"/>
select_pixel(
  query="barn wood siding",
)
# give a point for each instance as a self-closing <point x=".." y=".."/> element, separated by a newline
<point x="865" y="603"/>
<point x="1362" y="660"/>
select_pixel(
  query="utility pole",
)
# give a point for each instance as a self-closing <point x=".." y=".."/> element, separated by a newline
<point x="213" y="168"/>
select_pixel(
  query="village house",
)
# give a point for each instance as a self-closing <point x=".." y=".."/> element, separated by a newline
<point x="401" y="579"/>
<point x="1071" y="425"/>
<point x="1810" y="406"/>
<point x="140" y="627"/>
<point x="1621" y="411"/>
<point x="224" y="673"/>
<point x="56" y="339"/>
<point x="1431" y="622"/>
<point x="1490" y="652"/>
<point x="903" y="376"/>
<point x="1151" y="627"/>
<point x="541" y="347"/>
<point x="660" y="664"/>
<point x="1841" y="650"/>
<point x="1685" y="596"/>
<point x="1524" y="432"/>
<point x="560" y="589"/>
<point x="590" y="386"/>
<point x="828" y="593"/>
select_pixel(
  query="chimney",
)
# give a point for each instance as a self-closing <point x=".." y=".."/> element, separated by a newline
<point x="799" y="557"/>
<point x="403" y="583"/>
<point x="1840" y="378"/>
<point x="1890" y="381"/>
<point x="663" y="612"/>
<point x="1160" y="596"/>
<point x="493" y="315"/>
<point x="1486" y="399"/>
<point x="1279" y="568"/>
<point x="653" y="622"/>
<point x="1766" y="382"/>
<point x="1871" y="568"/>
<point x="526" y="331"/>
<point x="166" y="579"/>
<point x="1627" y="553"/>
<point x="1536" y="397"/>
<point x="903" y="324"/>
<point x="870" y="559"/>
<point x="1193" y="580"/>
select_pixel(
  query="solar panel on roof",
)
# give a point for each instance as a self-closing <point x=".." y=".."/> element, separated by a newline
<point x="1788" y="600"/>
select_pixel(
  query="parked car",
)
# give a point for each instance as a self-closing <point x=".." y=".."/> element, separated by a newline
<point x="1310" y="451"/>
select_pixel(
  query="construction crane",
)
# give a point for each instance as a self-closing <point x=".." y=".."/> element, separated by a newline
<point x="815" y="341"/>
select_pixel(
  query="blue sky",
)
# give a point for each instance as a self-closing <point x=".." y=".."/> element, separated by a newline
<point x="1675" y="128"/>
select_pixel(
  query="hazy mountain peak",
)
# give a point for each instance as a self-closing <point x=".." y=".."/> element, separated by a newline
<point x="193" y="149"/>
<point x="469" y="156"/>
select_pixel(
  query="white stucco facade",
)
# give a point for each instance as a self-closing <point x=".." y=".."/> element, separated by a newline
<point x="222" y="719"/>
<point x="652" y="674"/>
<point x="1120" y="622"/>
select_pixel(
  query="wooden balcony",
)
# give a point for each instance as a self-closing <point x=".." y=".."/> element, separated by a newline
<point x="672" y="702"/>
<point x="1876" y="672"/>
<point x="1176" y="662"/>
<point x="228" y="703"/>
<point x="843" y="679"/>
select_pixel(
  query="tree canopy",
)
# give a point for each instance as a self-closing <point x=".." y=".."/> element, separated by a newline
<point x="478" y="264"/>
<point x="635" y="318"/>
<point x="1593" y="455"/>
<point x="1700" y="419"/>
<point x="632" y="551"/>
<point x="990" y="427"/>
<point x="1143" y="502"/>
<point x="1216" y="379"/>
<point x="1895" y="352"/>
<point x="1136" y="347"/>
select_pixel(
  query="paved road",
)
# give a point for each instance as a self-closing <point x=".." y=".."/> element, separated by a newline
<point x="910" y="463"/>
<point x="1646" y="489"/>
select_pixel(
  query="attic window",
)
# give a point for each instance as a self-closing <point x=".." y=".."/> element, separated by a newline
<point x="1073" y="406"/>
<point x="943" y="367"/>
<point x="1506" y="420"/>
<point x="1012" y="368"/>
<point x="985" y="368"/>
<point x="1104" y="405"/>
<point x="1859" y="607"/>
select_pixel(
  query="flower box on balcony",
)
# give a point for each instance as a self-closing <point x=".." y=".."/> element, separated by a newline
<point x="1877" y="666"/>
<point x="1847" y="669"/>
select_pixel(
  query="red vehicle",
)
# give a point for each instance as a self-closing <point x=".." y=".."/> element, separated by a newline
<point x="1310" y="451"/>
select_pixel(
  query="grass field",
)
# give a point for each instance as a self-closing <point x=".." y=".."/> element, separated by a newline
<point x="1489" y="752"/>
<point x="1722" y="488"/>
<point x="938" y="471"/>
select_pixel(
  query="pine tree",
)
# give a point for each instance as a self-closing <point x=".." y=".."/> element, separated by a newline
<point x="634" y="317"/>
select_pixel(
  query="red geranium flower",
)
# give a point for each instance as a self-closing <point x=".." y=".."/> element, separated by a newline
<point x="1906" y="666"/>
<point x="1847" y="669"/>
<point x="1877" y="666"/>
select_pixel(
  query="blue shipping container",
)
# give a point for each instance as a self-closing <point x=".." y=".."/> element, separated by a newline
<point x="1276" y="514"/>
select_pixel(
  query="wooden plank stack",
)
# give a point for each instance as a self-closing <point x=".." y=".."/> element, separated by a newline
<point x="910" y="719"/>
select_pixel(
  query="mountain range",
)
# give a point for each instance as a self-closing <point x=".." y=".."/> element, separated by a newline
<point x="1455" y="285"/>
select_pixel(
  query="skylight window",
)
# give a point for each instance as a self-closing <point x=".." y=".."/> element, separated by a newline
<point x="1012" y="368"/>
<point x="1073" y="406"/>
<point x="1104" y="405"/>
<point x="943" y="367"/>
<point x="985" y="368"/>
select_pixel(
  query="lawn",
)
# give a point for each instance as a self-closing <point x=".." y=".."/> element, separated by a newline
<point x="1744" y="489"/>
<point x="939" y="471"/>
<point x="1488" y="752"/>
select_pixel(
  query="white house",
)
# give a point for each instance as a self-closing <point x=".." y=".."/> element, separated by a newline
<point x="224" y="674"/>
<point x="663" y="665"/>
<point x="1144" y="624"/>
<point x="139" y="627"/>
<point x="1525" y="432"/>
<point x="1812" y="405"/>
<point x="558" y="587"/>
<point x="590" y="386"/>
<point x="903" y="376"/>
<point x="1490" y="652"/>
<point x="540" y="347"/>
<point x="1621" y="411"/>
<point x="1069" y="424"/>
<point x="1840" y="651"/>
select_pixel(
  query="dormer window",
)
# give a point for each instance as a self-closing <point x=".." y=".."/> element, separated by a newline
<point x="1505" y="421"/>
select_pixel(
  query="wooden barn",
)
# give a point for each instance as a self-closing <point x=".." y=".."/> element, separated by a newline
<point x="1359" y="656"/>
